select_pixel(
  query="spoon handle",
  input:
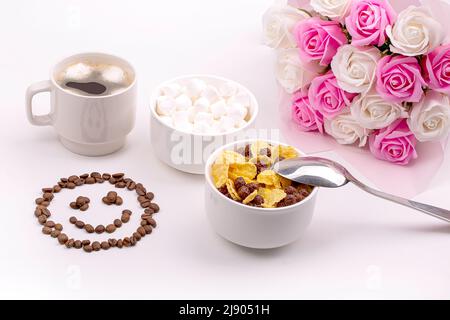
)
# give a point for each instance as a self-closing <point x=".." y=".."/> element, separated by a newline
<point x="436" y="212"/>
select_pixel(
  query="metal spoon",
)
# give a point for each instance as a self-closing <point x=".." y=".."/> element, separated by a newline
<point x="326" y="173"/>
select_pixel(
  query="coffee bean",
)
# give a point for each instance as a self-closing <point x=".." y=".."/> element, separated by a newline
<point x="39" y="201"/>
<point x="121" y="185"/>
<point x="73" y="178"/>
<point x="64" y="179"/>
<point x="126" y="211"/>
<point x="112" y="180"/>
<point x="79" y="224"/>
<point x="106" y="201"/>
<point x="96" y="246"/>
<point x="84" y="207"/>
<point x="89" y="180"/>
<point x="89" y="228"/>
<point x="79" y="182"/>
<point x="105" y="245"/>
<point x="77" y="244"/>
<point x="148" y="229"/>
<point x="141" y="231"/>
<point x="126" y="242"/>
<point x="58" y="226"/>
<point x="119" y="243"/>
<point x="145" y="216"/>
<point x="96" y="175"/>
<point x="99" y="180"/>
<point x="42" y="219"/>
<point x="47" y="190"/>
<point x="131" y="185"/>
<point x="142" y="199"/>
<point x="133" y="241"/>
<point x="46" y="230"/>
<point x="106" y="176"/>
<point x="70" y="185"/>
<point x="117" y="223"/>
<point x="55" y="233"/>
<point x="73" y="220"/>
<point x="137" y="236"/>
<point x="85" y="242"/>
<point x="73" y="205"/>
<point x="56" y="189"/>
<point x="118" y="175"/>
<point x="45" y="203"/>
<point x="125" y="218"/>
<point x="37" y="212"/>
<point x="144" y="223"/>
<point x="62" y="184"/>
<point x="154" y="207"/>
<point x="84" y="176"/>
<point x="62" y="238"/>
<point x="110" y="228"/>
<point x="50" y="224"/>
<point x="87" y="248"/>
<point x="100" y="229"/>
<point x="119" y="201"/>
<point x="112" y="242"/>
<point x="151" y="222"/>
<point x="146" y="204"/>
<point x="149" y="211"/>
<point x="150" y="195"/>
<point x="111" y="195"/>
<point x="140" y="192"/>
<point x="70" y="243"/>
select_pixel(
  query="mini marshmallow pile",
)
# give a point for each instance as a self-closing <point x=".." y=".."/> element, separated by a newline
<point x="198" y="107"/>
<point x="84" y="72"/>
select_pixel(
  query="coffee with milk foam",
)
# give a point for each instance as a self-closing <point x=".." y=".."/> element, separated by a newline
<point x="94" y="79"/>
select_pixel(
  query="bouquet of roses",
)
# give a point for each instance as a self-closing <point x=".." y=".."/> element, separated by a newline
<point x="363" y="73"/>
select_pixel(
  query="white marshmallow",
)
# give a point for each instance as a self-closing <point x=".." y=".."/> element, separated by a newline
<point x="216" y="126"/>
<point x="192" y="112"/>
<point x="203" y="117"/>
<point x="228" y="89"/>
<point x="181" y="120"/>
<point x="165" y="106"/>
<point x="240" y="98"/>
<point x="202" y="105"/>
<point x="194" y="88"/>
<point x="166" y="120"/>
<point x="211" y="93"/>
<point x="113" y="74"/>
<point x="183" y="102"/>
<point x="171" y="90"/>
<point x="237" y="111"/>
<point x="227" y="123"/>
<point x="78" y="72"/>
<point x="218" y="109"/>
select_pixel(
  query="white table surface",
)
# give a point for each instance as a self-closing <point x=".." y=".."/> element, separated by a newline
<point x="356" y="247"/>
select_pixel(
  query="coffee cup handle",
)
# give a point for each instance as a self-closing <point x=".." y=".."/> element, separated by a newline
<point x="35" y="88"/>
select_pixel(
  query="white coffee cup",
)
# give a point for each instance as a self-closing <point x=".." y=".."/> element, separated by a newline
<point x="87" y="125"/>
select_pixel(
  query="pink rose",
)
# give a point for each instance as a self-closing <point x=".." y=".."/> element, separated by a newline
<point x="436" y="69"/>
<point x="399" y="79"/>
<point x="327" y="97"/>
<point x="318" y="40"/>
<point x="307" y="118"/>
<point x="395" y="143"/>
<point x="368" y="20"/>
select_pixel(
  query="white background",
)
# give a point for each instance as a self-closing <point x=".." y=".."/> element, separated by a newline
<point x="357" y="246"/>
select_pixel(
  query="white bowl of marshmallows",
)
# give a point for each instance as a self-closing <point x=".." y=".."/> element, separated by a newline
<point x="193" y="115"/>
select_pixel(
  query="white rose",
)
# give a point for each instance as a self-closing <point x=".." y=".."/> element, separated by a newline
<point x="415" y="32"/>
<point x="373" y="112"/>
<point x="355" y="68"/>
<point x="430" y="118"/>
<point x="346" y="130"/>
<point x="278" y="24"/>
<point x="290" y="72"/>
<point x="333" y="9"/>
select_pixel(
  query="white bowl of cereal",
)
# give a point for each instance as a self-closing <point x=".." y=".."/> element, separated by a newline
<point x="248" y="204"/>
<point x="193" y="115"/>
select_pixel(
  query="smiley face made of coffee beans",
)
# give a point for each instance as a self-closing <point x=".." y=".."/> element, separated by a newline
<point x="55" y="230"/>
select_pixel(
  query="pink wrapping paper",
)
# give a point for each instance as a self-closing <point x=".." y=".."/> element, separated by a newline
<point x="406" y="181"/>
